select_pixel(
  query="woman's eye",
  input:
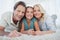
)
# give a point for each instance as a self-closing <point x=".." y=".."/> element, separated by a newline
<point x="31" y="12"/>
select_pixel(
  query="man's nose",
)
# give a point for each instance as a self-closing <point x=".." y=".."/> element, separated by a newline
<point x="29" y="13"/>
<point x="20" y="13"/>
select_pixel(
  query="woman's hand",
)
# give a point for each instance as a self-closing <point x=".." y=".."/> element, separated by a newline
<point x="38" y="33"/>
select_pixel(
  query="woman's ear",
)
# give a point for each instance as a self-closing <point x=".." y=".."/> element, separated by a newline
<point x="42" y="14"/>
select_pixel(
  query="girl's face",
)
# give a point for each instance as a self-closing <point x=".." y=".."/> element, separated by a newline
<point x="37" y="12"/>
<point x="29" y="13"/>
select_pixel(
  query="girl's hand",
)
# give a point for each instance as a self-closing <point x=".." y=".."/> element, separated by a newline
<point x="31" y="32"/>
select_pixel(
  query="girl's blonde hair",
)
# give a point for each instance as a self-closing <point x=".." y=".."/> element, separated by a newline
<point x="42" y="11"/>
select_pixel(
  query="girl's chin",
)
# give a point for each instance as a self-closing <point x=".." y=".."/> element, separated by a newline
<point x="29" y="18"/>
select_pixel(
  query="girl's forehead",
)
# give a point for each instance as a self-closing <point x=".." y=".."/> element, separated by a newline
<point x="29" y="9"/>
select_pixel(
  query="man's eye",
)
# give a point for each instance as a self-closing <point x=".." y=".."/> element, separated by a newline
<point x="18" y="10"/>
<point x="23" y="12"/>
<point x="39" y="10"/>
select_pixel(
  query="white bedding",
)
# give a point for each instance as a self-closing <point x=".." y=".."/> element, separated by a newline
<point x="54" y="36"/>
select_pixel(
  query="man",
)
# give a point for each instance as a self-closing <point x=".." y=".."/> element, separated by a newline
<point x="9" y="21"/>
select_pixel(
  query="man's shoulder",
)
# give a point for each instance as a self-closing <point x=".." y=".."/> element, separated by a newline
<point x="6" y="14"/>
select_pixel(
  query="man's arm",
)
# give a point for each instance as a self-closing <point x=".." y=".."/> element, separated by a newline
<point x="3" y="22"/>
<point x="2" y="32"/>
<point x="1" y="28"/>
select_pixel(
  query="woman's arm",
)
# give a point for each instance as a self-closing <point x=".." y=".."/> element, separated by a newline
<point x="50" y="24"/>
<point x="43" y="32"/>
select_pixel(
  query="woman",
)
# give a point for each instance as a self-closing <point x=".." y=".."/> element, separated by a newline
<point x="46" y="23"/>
<point x="29" y="22"/>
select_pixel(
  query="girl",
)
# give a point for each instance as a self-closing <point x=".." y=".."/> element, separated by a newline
<point x="29" y="22"/>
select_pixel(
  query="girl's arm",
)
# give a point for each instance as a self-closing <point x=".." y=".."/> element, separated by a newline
<point x="22" y="29"/>
<point x="36" y="26"/>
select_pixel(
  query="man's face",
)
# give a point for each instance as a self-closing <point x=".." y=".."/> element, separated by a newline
<point x="19" y="12"/>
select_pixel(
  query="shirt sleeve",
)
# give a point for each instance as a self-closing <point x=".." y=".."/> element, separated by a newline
<point x="50" y="24"/>
<point x="3" y="22"/>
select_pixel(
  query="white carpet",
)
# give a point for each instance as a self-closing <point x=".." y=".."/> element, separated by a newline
<point x="54" y="36"/>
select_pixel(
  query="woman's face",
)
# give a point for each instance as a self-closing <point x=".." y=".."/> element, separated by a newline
<point x="29" y="13"/>
<point x="37" y="12"/>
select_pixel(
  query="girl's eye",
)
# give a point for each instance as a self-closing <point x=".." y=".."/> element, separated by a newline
<point x="27" y="12"/>
<point x="34" y="10"/>
<point x="23" y="12"/>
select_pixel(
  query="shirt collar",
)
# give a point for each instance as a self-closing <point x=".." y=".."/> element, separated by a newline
<point x="12" y="19"/>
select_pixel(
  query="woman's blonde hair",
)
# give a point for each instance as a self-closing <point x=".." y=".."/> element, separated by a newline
<point x="42" y="11"/>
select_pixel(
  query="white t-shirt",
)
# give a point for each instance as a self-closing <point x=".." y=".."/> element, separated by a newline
<point x="6" y="21"/>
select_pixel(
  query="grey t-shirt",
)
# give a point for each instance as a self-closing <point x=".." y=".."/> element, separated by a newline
<point x="47" y="24"/>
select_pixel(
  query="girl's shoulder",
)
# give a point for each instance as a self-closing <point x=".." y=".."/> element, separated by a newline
<point x="24" y="19"/>
<point x="34" y="19"/>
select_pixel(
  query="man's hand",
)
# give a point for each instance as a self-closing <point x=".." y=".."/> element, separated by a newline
<point x="1" y="28"/>
<point x="14" y="34"/>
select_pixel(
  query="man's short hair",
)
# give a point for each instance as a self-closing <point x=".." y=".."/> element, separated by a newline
<point x="19" y="3"/>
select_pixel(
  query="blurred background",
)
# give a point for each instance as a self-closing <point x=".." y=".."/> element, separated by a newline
<point x="52" y="7"/>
